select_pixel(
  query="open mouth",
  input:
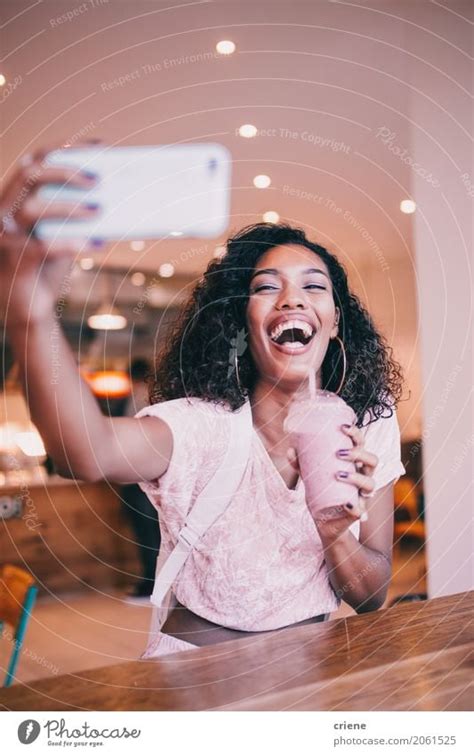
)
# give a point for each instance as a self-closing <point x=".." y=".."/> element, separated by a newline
<point x="292" y="335"/>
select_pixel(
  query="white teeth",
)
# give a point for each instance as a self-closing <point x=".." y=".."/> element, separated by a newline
<point x="307" y="329"/>
<point x="294" y="345"/>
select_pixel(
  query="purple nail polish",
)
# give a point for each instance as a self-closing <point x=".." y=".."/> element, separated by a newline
<point x="343" y="475"/>
<point x="343" y="452"/>
<point x="349" y="506"/>
<point x="97" y="242"/>
<point x="92" y="206"/>
<point x="88" y="174"/>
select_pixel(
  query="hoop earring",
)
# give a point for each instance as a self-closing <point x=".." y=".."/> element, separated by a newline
<point x="344" y="364"/>
<point x="237" y="374"/>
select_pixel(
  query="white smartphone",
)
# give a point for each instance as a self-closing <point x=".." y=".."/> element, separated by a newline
<point x="144" y="192"/>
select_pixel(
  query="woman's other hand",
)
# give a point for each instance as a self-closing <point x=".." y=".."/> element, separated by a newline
<point x="333" y="521"/>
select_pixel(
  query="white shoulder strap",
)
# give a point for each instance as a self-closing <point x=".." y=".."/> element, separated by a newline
<point x="209" y="505"/>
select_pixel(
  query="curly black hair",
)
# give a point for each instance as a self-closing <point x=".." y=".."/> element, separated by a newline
<point x="195" y="359"/>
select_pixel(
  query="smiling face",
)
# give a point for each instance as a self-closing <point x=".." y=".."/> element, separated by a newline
<point x="291" y="315"/>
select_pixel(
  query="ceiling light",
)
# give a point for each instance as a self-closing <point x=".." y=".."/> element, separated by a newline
<point x="166" y="270"/>
<point x="107" y="317"/>
<point x="109" y="383"/>
<point x="2" y="80"/>
<point x="225" y="47"/>
<point x="248" y="131"/>
<point x="271" y="216"/>
<point x="408" y="206"/>
<point x="137" y="246"/>
<point x="262" y="181"/>
<point x="158" y="297"/>
<point x="137" y="279"/>
<point x="87" y="263"/>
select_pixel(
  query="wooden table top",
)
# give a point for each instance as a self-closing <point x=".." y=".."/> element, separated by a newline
<point x="414" y="656"/>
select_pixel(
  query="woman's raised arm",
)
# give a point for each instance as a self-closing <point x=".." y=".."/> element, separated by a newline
<point x="82" y="442"/>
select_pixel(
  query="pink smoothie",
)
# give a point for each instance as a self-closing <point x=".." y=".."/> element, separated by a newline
<point x="315" y="426"/>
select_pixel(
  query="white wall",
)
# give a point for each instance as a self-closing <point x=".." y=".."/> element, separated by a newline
<point x="441" y="141"/>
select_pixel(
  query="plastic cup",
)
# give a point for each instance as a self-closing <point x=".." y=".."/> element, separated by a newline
<point x="315" y="426"/>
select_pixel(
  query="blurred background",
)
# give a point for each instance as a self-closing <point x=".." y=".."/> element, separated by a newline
<point x="353" y="121"/>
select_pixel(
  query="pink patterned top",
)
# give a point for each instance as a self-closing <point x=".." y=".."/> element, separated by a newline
<point x="261" y="565"/>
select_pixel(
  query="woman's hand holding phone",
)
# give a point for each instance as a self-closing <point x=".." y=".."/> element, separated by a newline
<point x="31" y="270"/>
<point x="82" y="441"/>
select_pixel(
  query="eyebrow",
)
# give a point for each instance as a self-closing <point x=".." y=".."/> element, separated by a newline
<point x="274" y="271"/>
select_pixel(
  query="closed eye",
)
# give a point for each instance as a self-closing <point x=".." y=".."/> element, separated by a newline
<point x="268" y="287"/>
<point x="265" y="287"/>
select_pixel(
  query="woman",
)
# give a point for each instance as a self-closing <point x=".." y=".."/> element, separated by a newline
<point x="266" y="563"/>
